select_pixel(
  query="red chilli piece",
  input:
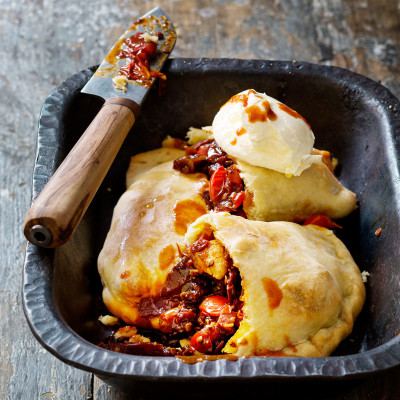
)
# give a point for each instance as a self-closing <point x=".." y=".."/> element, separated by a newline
<point x="321" y="220"/>
<point x="214" y="305"/>
<point x="234" y="176"/>
<point x="217" y="182"/>
<point x="202" y="341"/>
<point x="238" y="199"/>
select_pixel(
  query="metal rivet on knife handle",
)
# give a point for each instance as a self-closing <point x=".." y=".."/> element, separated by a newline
<point x="40" y="235"/>
<point x="58" y="209"/>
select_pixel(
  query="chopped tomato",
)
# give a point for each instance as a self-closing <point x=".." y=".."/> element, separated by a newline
<point x="226" y="309"/>
<point x="321" y="220"/>
<point x="238" y="199"/>
<point x="201" y="341"/>
<point x="217" y="182"/>
<point x="214" y="305"/>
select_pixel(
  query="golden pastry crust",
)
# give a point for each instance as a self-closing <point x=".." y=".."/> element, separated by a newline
<point x="142" y="162"/>
<point x="301" y="287"/>
<point x="148" y="223"/>
<point x="271" y="196"/>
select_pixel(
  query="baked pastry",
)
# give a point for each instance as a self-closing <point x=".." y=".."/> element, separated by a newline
<point x="148" y="226"/>
<point x="264" y="194"/>
<point x="271" y="196"/>
<point x="301" y="290"/>
<point x="181" y="260"/>
<point x="143" y="162"/>
<point x="241" y="287"/>
<point x="261" y="163"/>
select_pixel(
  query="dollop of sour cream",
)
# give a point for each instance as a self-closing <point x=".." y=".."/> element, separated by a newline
<point x="264" y="132"/>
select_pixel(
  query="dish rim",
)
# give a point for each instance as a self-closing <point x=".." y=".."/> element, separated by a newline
<point x="59" y="339"/>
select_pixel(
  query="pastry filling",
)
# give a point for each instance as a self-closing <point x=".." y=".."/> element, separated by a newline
<point x="138" y="52"/>
<point x="225" y="191"/>
<point x="198" y="309"/>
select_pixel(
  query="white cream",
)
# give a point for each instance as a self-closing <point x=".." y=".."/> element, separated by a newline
<point x="261" y="131"/>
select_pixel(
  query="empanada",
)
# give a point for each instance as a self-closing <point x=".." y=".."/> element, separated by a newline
<point x="271" y="196"/>
<point x="301" y="289"/>
<point x="148" y="223"/>
<point x="268" y="195"/>
<point x="238" y="286"/>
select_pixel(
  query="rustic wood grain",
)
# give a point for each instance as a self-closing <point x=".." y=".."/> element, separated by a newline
<point x="66" y="197"/>
<point x="46" y="41"/>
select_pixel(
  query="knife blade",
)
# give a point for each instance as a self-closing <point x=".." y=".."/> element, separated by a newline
<point x="154" y="23"/>
<point x="123" y="80"/>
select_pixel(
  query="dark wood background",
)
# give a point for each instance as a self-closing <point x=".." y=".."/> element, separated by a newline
<point x="44" y="42"/>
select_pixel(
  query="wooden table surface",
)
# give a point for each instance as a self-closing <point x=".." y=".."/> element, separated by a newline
<point x="46" y="41"/>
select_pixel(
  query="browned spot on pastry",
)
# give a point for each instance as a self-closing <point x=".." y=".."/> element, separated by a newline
<point x="248" y="200"/>
<point x="125" y="274"/>
<point x="273" y="291"/>
<point x="234" y="141"/>
<point x="292" y="113"/>
<point x="326" y="158"/>
<point x="186" y="212"/>
<point x="271" y="353"/>
<point x="241" y="131"/>
<point x="290" y="345"/>
<point x="166" y="257"/>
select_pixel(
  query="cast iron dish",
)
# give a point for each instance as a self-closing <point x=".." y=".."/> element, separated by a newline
<point x="355" y="118"/>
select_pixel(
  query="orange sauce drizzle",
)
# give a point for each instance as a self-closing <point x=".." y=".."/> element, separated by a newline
<point x="289" y="345"/>
<point x="273" y="291"/>
<point x="241" y="131"/>
<point x="203" y="357"/>
<point x="125" y="274"/>
<point x="255" y="113"/>
<point x="292" y="113"/>
<point x="270" y="114"/>
<point x="166" y="257"/>
<point x="186" y="212"/>
<point x="272" y="353"/>
<point x="239" y="98"/>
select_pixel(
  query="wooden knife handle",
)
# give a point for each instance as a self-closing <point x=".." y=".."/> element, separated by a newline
<point x="58" y="209"/>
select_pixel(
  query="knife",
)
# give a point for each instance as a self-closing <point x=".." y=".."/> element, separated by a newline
<point x="123" y="80"/>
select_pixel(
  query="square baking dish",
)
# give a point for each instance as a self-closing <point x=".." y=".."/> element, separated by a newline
<point x="353" y="117"/>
